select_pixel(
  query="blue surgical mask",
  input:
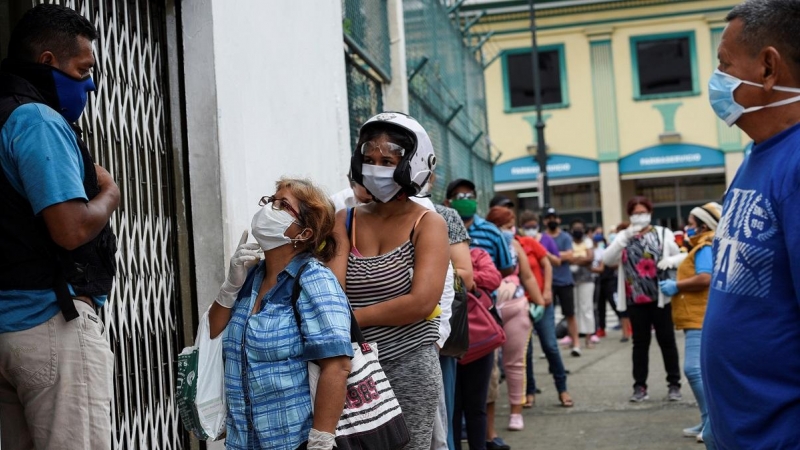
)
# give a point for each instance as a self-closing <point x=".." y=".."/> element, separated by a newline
<point x="720" y="93"/>
<point x="691" y="232"/>
<point x="72" y="94"/>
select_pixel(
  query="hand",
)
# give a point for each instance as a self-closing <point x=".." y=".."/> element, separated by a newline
<point x="547" y="295"/>
<point x="668" y="287"/>
<point x="664" y="264"/>
<point x="320" y="440"/>
<point x="506" y="292"/>
<point x="624" y="237"/>
<point x="245" y="257"/>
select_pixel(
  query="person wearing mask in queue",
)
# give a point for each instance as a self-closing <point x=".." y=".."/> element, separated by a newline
<point x="605" y="287"/>
<point x="581" y="268"/>
<point x="262" y="340"/>
<point x="513" y="304"/>
<point x="462" y="197"/>
<point x="689" y="294"/>
<point x="393" y="259"/>
<point x="563" y="282"/>
<point x="637" y="250"/>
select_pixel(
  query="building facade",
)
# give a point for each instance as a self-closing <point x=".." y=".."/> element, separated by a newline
<point x="624" y="89"/>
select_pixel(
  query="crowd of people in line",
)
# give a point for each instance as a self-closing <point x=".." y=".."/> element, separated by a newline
<point x="382" y="248"/>
<point x="381" y="255"/>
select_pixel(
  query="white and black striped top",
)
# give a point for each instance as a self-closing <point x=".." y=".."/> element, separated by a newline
<point x="376" y="279"/>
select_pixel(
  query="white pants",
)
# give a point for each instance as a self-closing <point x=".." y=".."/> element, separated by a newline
<point x="584" y="307"/>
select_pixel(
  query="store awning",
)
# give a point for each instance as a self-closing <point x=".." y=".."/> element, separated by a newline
<point x="558" y="167"/>
<point x="671" y="158"/>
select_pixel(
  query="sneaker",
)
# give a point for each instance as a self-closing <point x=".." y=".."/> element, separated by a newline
<point x="515" y="422"/>
<point x="699" y="438"/>
<point x="617" y="327"/>
<point x="674" y="394"/>
<point x="576" y="351"/>
<point x="601" y="333"/>
<point x="497" y="444"/>
<point x="693" y="431"/>
<point x="565" y="341"/>
<point x="594" y="339"/>
<point x="639" y="394"/>
<point x="624" y="339"/>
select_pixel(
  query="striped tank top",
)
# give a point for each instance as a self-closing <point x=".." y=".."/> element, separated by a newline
<point x="376" y="279"/>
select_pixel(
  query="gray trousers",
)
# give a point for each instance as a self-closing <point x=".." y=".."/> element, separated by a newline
<point x="56" y="385"/>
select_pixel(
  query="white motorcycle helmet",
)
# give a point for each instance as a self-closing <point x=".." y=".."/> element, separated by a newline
<point x="417" y="164"/>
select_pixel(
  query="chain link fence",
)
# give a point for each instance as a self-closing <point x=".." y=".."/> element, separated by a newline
<point x="447" y="96"/>
<point x="367" y="59"/>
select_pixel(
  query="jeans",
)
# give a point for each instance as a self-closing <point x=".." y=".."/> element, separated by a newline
<point x="472" y="384"/>
<point x="449" y="365"/>
<point x="645" y="317"/>
<point x="546" y="329"/>
<point x="691" y="368"/>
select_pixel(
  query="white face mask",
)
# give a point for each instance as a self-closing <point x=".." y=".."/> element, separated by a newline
<point x="269" y="227"/>
<point x="721" y="87"/>
<point x="379" y="181"/>
<point x="639" y="221"/>
<point x="531" y="232"/>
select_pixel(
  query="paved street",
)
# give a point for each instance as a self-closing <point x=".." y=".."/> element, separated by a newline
<point x="602" y="418"/>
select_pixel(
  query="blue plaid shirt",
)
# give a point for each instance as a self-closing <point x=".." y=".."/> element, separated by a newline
<point x="266" y="372"/>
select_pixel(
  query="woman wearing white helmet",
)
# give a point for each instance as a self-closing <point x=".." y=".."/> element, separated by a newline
<point x="393" y="261"/>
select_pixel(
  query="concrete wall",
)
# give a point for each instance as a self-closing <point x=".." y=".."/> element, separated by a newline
<point x="266" y="97"/>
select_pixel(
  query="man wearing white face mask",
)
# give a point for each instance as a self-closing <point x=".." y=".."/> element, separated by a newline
<point x="750" y="351"/>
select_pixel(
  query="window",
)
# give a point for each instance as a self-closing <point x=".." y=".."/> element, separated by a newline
<point x="518" y="78"/>
<point x="664" y="66"/>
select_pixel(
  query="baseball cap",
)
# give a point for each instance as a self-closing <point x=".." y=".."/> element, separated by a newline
<point x="458" y="182"/>
<point x="550" y="212"/>
<point x="501" y="200"/>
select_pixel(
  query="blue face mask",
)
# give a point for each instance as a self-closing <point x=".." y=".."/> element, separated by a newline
<point x="720" y="93"/>
<point x="691" y="232"/>
<point x="72" y="94"/>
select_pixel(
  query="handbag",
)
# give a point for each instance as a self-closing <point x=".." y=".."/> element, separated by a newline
<point x="458" y="342"/>
<point x="371" y="417"/>
<point x="485" y="327"/>
<point x="201" y="385"/>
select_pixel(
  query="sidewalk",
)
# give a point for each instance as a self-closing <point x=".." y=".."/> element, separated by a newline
<point x="600" y="382"/>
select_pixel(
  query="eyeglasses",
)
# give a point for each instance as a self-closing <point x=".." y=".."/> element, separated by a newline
<point x="463" y="196"/>
<point x="387" y="149"/>
<point x="279" y="204"/>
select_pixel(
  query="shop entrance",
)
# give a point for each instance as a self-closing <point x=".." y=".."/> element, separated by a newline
<point x="674" y="197"/>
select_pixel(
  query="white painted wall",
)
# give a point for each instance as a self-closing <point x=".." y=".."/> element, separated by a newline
<point x="280" y="108"/>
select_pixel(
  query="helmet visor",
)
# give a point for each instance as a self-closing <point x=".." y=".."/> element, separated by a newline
<point x="388" y="149"/>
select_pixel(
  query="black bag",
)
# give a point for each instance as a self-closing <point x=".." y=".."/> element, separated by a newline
<point x="669" y="274"/>
<point x="458" y="342"/>
<point x="561" y="329"/>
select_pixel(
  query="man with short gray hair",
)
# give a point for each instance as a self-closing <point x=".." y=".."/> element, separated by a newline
<point x="750" y="351"/>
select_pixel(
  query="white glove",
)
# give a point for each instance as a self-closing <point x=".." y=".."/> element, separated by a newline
<point x="672" y="261"/>
<point x="245" y="257"/>
<point x="624" y="237"/>
<point x="320" y="440"/>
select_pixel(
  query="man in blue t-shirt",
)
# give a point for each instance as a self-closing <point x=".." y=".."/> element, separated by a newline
<point x="57" y="252"/>
<point x="750" y="351"/>
<point x="563" y="283"/>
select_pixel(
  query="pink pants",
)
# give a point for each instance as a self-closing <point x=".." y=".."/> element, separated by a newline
<point x="517" y="325"/>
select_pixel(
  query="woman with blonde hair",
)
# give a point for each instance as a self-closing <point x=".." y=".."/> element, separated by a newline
<point x="266" y="348"/>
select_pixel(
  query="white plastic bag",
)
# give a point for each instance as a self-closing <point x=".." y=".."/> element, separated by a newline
<point x="201" y="385"/>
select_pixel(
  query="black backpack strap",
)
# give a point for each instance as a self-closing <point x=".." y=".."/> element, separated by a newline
<point x="355" y="330"/>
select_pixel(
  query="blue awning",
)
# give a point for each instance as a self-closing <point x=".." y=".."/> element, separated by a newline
<point x="558" y="166"/>
<point x="667" y="157"/>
